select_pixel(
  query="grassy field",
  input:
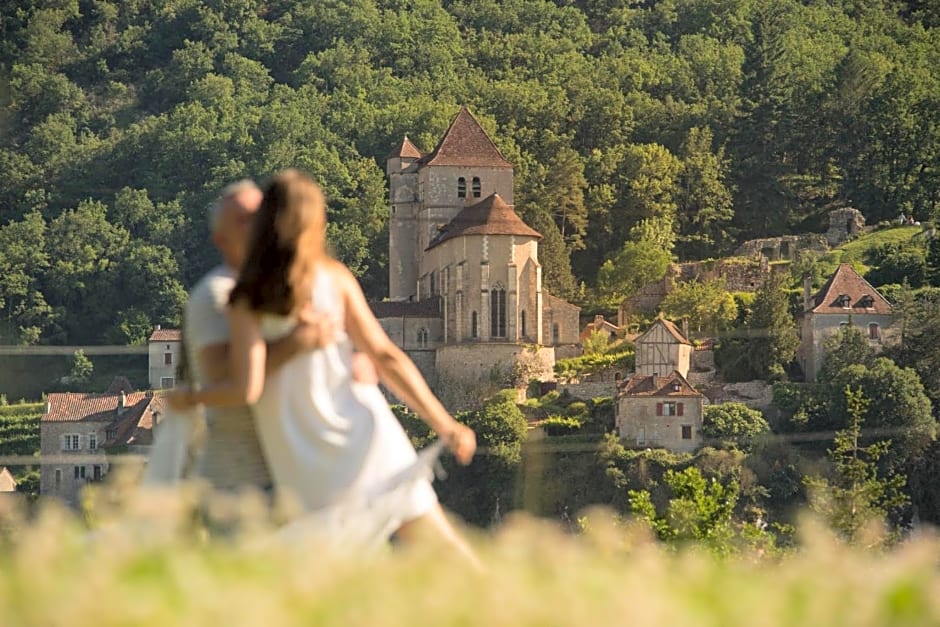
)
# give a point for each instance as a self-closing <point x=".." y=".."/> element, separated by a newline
<point x="142" y="570"/>
<point x="855" y="251"/>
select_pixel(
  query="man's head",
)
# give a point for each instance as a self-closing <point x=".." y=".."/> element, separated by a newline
<point x="230" y="220"/>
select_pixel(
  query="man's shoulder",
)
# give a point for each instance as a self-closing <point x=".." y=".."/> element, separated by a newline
<point x="217" y="283"/>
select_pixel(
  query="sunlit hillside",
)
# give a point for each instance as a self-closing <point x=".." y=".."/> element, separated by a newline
<point x="53" y="572"/>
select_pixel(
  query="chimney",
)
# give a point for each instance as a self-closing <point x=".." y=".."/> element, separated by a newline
<point x="685" y="328"/>
<point x="122" y="403"/>
<point x="807" y="292"/>
<point x="157" y="328"/>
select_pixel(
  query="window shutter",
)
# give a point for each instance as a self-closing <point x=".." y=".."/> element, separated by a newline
<point x="659" y="409"/>
<point x="681" y="406"/>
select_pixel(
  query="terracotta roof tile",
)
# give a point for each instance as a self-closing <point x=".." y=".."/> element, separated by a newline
<point x="166" y="335"/>
<point x="491" y="216"/>
<point x="646" y="385"/>
<point x="846" y="282"/>
<point x="427" y="308"/>
<point x="404" y="150"/>
<point x="466" y="144"/>
<point x="671" y="328"/>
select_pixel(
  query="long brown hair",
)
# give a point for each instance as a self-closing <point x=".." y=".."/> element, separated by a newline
<point x="288" y="239"/>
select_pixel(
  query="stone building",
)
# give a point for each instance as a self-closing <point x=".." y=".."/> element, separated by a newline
<point x="78" y="431"/>
<point x="455" y="239"/>
<point x="164" y="348"/>
<point x="661" y="349"/>
<point x="845" y="299"/>
<point x="599" y="325"/>
<point x="660" y="412"/>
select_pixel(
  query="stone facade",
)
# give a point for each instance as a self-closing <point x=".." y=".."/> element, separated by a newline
<point x="660" y="412"/>
<point x="455" y="240"/>
<point x="845" y="299"/>
<point x="164" y="348"/>
<point x="844" y="224"/>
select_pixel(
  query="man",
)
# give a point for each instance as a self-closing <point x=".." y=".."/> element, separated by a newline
<point x="232" y="458"/>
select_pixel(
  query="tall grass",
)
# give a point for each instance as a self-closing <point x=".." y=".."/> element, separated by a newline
<point x="149" y="564"/>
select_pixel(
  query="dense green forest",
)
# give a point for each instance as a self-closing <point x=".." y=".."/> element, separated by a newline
<point x="681" y="126"/>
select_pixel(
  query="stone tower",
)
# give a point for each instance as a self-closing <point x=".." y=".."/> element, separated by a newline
<point x="426" y="192"/>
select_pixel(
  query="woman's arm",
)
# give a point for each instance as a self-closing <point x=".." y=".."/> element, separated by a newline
<point x="397" y="371"/>
<point x="247" y="355"/>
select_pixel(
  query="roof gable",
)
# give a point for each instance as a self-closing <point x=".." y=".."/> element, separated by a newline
<point x="670" y="329"/>
<point x="466" y="144"/>
<point x="847" y="291"/>
<point x="166" y="335"/>
<point x="647" y="385"/>
<point x="491" y="216"/>
<point x="404" y="150"/>
<point x="7" y="482"/>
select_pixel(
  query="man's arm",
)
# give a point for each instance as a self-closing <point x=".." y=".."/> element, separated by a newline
<point x="309" y="334"/>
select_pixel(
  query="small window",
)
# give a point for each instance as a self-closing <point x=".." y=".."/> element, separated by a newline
<point x="79" y="472"/>
<point x="72" y="442"/>
<point x="476" y="187"/>
<point x="874" y="331"/>
<point x="522" y="323"/>
<point x="92" y="441"/>
<point x="96" y="472"/>
<point x="110" y="434"/>
<point x="498" y="311"/>
<point x="670" y="408"/>
<point x="641" y="436"/>
<point x="474" y="326"/>
<point x="167" y="382"/>
<point x="844" y="301"/>
<point x="58" y="477"/>
<point x="167" y="359"/>
<point x="556" y="333"/>
<point x="433" y="281"/>
<point x="423" y="335"/>
<point x="686" y="432"/>
<point x="461" y="187"/>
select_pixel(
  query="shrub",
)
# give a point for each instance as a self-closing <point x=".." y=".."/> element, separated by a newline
<point x="561" y="425"/>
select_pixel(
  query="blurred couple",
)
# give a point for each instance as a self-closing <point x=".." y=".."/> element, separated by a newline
<point x="285" y="354"/>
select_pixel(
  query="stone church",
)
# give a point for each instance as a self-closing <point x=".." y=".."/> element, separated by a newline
<point x="465" y="284"/>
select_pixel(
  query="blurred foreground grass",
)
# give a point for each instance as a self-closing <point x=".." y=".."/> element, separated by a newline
<point x="148" y="564"/>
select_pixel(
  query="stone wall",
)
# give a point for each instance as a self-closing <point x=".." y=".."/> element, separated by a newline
<point x="755" y="394"/>
<point x="844" y="224"/>
<point x="588" y="390"/>
<point x="782" y="248"/>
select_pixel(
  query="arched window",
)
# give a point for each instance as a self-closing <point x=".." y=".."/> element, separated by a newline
<point x="474" y="330"/>
<point x="461" y="187"/>
<point x="498" y="311"/>
<point x="522" y="323"/>
<point x="422" y="337"/>
<point x="476" y="187"/>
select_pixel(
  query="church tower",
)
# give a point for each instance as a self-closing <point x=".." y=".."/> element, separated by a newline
<point x="403" y="253"/>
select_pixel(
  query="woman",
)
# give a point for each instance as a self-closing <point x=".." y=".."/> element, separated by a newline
<point x="327" y="439"/>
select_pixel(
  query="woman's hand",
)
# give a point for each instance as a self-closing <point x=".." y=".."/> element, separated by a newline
<point x="462" y="442"/>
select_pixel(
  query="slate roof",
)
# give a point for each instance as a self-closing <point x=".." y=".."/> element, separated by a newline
<point x="845" y="281"/>
<point x="671" y="328"/>
<point x="491" y="216"/>
<point x="404" y="150"/>
<point x="166" y="335"/>
<point x="466" y="144"/>
<point x="648" y="385"/>
<point x="427" y="308"/>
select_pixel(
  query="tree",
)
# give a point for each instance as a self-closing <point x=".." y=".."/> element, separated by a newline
<point x="596" y="343"/>
<point x="846" y="348"/>
<point x="856" y="493"/>
<point x="641" y="261"/>
<point x="733" y="421"/>
<point x="704" y="201"/>
<point x="707" y="305"/>
<point x="700" y="510"/>
<point x="81" y="368"/>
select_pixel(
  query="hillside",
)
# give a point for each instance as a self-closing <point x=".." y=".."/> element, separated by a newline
<point x="636" y="130"/>
<point x="19" y="436"/>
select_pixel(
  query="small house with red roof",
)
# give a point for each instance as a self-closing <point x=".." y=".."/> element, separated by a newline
<point x="660" y="411"/>
<point x="456" y="240"/>
<point x="845" y="299"/>
<point x="79" y="430"/>
<point x="164" y="348"/>
<point x="599" y="325"/>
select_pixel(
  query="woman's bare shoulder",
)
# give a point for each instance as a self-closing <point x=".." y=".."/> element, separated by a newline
<point x="341" y="275"/>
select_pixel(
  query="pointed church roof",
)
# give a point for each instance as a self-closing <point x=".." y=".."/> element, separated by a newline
<point x="846" y="292"/>
<point x="404" y="150"/>
<point x="491" y="216"/>
<point x="466" y="144"/>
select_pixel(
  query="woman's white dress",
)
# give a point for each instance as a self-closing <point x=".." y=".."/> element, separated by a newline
<point x="332" y="443"/>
